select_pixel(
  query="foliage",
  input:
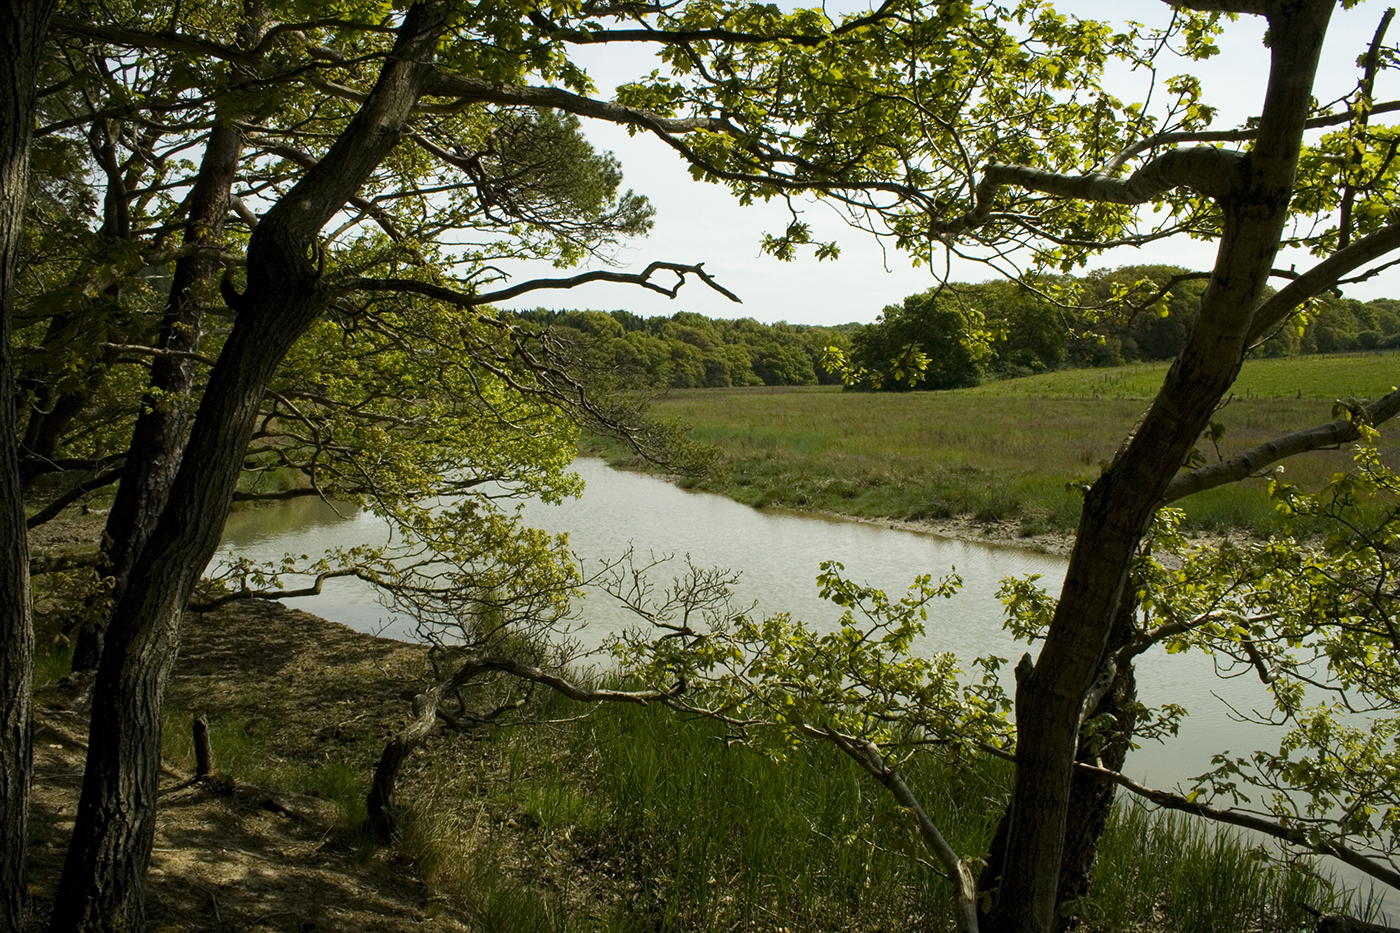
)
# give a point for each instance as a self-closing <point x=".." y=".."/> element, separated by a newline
<point x="1315" y="623"/>
<point x="689" y="350"/>
<point x="786" y="681"/>
<point x="931" y="342"/>
<point x="898" y="116"/>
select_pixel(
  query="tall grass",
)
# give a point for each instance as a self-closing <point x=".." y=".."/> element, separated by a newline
<point x="1010" y="451"/>
<point x="640" y="821"/>
<point x="629" y="819"/>
<point x="1198" y="878"/>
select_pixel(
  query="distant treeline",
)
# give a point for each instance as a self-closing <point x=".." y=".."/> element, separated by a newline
<point x="958" y="335"/>
<point x="689" y="350"/>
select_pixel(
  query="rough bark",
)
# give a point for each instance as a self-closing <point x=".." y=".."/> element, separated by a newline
<point x="1091" y="795"/>
<point x="158" y="439"/>
<point x="1120" y="504"/>
<point x="23" y="27"/>
<point x="101" y="886"/>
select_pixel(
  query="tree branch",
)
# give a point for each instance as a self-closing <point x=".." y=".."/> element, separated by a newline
<point x="1291" y="835"/>
<point x="245" y="593"/>
<point x="523" y="671"/>
<point x="1322" y="277"/>
<point x="468" y="90"/>
<point x="680" y="37"/>
<point x="53" y="509"/>
<point x="1249" y="463"/>
<point x="1241" y="134"/>
<point x="1211" y="172"/>
<point x="867" y="754"/>
<point x="472" y="300"/>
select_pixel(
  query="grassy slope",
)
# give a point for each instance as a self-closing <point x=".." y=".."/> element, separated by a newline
<point x="1006" y="450"/>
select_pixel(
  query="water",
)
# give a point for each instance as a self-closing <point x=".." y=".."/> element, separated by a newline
<point x="779" y="554"/>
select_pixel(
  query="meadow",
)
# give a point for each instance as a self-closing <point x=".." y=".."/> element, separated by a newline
<point x="1016" y="450"/>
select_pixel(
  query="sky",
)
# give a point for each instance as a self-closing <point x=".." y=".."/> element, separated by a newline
<point x="703" y="223"/>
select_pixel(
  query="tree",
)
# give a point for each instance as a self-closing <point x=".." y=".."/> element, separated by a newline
<point x="893" y="116"/>
<point x="931" y="341"/>
<point x="23" y="28"/>
<point x="524" y="176"/>
<point x="907" y="137"/>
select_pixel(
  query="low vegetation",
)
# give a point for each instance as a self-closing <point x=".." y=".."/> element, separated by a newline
<point x="957" y="335"/>
<point x="1010" y="451"/>
<point x="620" y="820"/>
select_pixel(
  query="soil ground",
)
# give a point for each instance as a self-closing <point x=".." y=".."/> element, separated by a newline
<point x="249" y="858"/>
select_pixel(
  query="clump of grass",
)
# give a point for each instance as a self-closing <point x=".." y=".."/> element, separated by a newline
<point x="1196" y="878"/>
<point x="53" y="661"/>
<point x="457" y="848"/>
<point x="241" y="750"/>
<point x="721" y="837"/>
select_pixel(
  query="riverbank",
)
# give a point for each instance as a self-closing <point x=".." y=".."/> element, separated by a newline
<point x="569" y="819"/>
<point x="621" y="819"/>
<point x="288" y="695"/>
<point x="980" y="465"/>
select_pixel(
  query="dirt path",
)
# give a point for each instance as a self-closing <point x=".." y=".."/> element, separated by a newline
<point x="258" y="859"/>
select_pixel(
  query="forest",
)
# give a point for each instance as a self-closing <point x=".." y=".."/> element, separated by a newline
<point x="968" y="333"/>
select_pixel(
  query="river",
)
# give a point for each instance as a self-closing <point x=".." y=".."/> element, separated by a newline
<point x="779" y="554"/>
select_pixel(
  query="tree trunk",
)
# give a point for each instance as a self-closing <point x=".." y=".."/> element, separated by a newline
<point x="380" y="802"/>
<point x="102" y="878"/>
<point x="23" y="27"/>
<point x="1121" y="503"/>
<point x="158" y="439"/>
<point x="1091" y="797"/>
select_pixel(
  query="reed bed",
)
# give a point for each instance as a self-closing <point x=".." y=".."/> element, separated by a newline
<point x="639" y="821"/>
<point x="1011" y="451"/>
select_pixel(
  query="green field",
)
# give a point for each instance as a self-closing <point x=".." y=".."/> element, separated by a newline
<point x="1349" y="375"/>
<point x="1004" y="451"/>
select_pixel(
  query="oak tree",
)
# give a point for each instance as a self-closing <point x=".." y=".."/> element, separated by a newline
<point x="906" y="132"/>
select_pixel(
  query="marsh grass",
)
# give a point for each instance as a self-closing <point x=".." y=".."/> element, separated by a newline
<point x="1009" y="451"/>
<point x="1200" y="879"/>
<point x="630" y="819"/>
<point x="627" y="819"/>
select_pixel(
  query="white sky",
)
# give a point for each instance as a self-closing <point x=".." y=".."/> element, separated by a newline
<point x="699" y="222"/>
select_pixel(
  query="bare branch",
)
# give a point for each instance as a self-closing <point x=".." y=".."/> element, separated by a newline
<point x="488" y="664"/>
<point x="468" y="90"/>
<point x="313" y="590"/>
<point x="684" y="36"/>
<point x="867" y="754"/>
<point x="52" y="510"/>
<point x="472" y="300"/>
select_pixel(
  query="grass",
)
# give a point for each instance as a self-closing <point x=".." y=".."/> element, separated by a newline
<point x="1322" y="377"/>
<point x="1202" y="879"/>
<point x="676" y="829"/>
<point x="241" y="748"/>
<point x="1009" y="451"/>
<point x="625" y="819"/>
